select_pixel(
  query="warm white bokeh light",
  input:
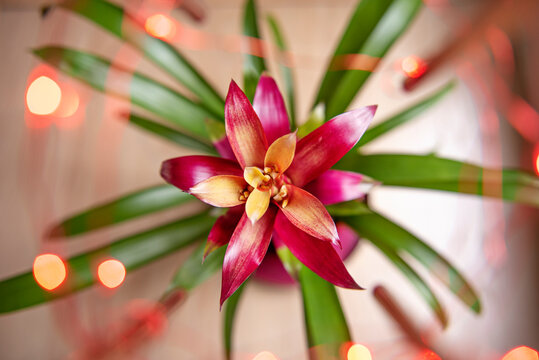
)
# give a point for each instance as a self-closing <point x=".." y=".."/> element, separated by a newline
<point x="265" y="355"/>
<point x="160" y="26"/>
<point x="111" y="273"/>
<point x="522" y="353"/>
<point x="49" y="271"/>
<point x="43" y="96"/>
<point x="359" y="352"/>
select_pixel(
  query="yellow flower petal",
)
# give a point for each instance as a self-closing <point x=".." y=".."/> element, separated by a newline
<point x="257" y="204"/>
<point x="281" y="153"/>
<point x="220" y="190"/>
<point x="255" y="177"/>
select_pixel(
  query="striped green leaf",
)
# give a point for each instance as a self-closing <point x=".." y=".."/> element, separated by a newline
<point x="127" y="207"/>
<point x="253" y="65"/>
<point x="325" y="323"/>
<point x="373" y="27"/>
<point x="114" y="19"/>
<point x="134" y="251"/>
<point x="170" y="134"/>
<point x="142" y="91"/>
<point x="396" y="241"/>
<point x="432" y="172"/>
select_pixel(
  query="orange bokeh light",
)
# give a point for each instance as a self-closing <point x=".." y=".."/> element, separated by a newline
<point x="160" y="26"/>
<point x="69" y="103"/>
<point x="427" y="354"/>
<point x="413" y="67"/>
<point x="265" y="355"/>
<point x="521" y="353"/>
<point x="111" y="273"/>
<point x="536" y="159"/>
<point x="358" y="352"/>
<point x="43" y="96"/>
<point x="49" y="271"/>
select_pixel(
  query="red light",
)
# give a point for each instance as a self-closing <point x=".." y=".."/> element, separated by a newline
<point x="427" y="354"/>
<point x="521" y="353"/>
<point x="536" y="156"/>
<point x="111" y="273"/>
<point x="49" y="271"/>
<point x="413" y="67"/>
<point x="160" y="26"/>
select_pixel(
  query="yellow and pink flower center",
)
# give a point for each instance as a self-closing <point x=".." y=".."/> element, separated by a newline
<point x="269" y="182"/>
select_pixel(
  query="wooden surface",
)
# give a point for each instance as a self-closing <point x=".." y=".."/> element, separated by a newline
<point x="50" y="173"/>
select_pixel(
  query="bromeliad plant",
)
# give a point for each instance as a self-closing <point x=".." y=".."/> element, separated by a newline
<point x="266" y="184"/>
<point x="276" y="181"/>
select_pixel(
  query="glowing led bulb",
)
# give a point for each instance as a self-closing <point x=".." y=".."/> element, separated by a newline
<point x="49" y="271"/>
<point x="265" y="355"/>
<point x="111" y="273"/>
<point x="521" y="353"/>
<point x="359" y="352"/>
<point x="43" y="96"/>
<point x="413" y="66"/>
<point x="160" y="26"/>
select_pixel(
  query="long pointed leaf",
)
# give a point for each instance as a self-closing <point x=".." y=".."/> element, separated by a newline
<point x="404" y="116"/>
<point x="424" y="290"/>
<point x="372" y="29"/>
<point x="139" y="89"/>
<point x="386" y="234"/>
<point x="127" y="207"/>
<point x="170" y="134"/>
<point x="253" y="64"/>
<point x="286" y="68"/>
<point x="133" y="251"/>
<point x="431" y="172"/>
<point x="325" y="323"/>
<point x="121" y="24"/>
<point x="193" y="271"/>
<point x="230" y="315"/>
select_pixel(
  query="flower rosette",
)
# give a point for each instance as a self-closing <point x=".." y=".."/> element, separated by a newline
<point x="275" y="185"/>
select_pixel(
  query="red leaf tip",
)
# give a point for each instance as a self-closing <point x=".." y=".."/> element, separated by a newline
<point x="372" y="109"/>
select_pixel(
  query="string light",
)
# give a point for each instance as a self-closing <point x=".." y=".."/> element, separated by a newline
<point x="43" y="96"/>
<point x="111" y="273"/>
<point x="521" y="353"/>
<point x="160" y="26"/>
<point x="359" y="352"/>
<point x="49" y="271"/>
<point x="413" y="67"/>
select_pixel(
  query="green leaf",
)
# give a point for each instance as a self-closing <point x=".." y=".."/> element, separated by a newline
<point x="170" y="134"/>
<point x="377" y="237"/>
<point x="325" y="323"/>
<point x="139" y="89"/>
<point x="127" y="207"/>
<point x="230" y="314"/>
<point x="285" y="66"/>
<point x="193" y="271"/>
<point x="291" y="263"/>
<point x="372" y="29"/>
<point x="253" y="65"/>
<point x="314" y="121"/>
<point x="348" y="208"/>
<point x="121" y="24"/>
<point x="431" y="172"/>
<point x="404" y="116"/>
<point x="394" y="240"/>
<point x="133" y="251"/>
